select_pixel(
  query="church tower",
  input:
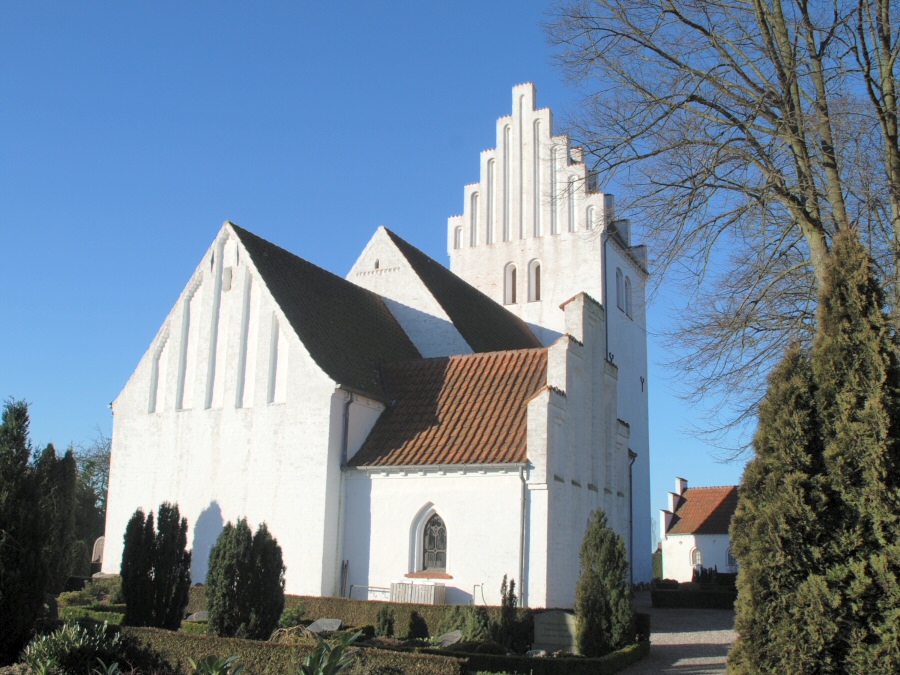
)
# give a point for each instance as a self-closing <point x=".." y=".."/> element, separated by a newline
<point x="534" y="232"/>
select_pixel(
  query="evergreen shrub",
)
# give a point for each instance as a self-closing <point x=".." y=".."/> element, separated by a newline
<point x="245" y="582"/>
<point x="603" y="611"/>
<point x="156" y="568"/>
<point x="384" y="622"/>
<point x="819" y="504"/>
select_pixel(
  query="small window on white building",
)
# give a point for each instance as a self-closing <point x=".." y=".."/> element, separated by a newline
<point x="509" y="285"/>
<point x="620" y="289"/>
<point x="628" y="296"/>
<point x="377" y="263"/>
<point x="434" y="544"/>
<point x="534" y="281"/>
<point x="696" y="558"/>
<point x="457" y="238"/>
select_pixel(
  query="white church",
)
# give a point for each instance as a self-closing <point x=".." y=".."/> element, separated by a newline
<point x="410" y="431"/>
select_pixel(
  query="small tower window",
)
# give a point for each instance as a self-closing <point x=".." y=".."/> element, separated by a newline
<point x="534" y="281"/>
<point x="434" y="544"/>
<point x="627" y="296"/>
<point x="377" y="263"/>
<point x="457" y="238"/>
<point x="509" y="285"/>
<point x="620" y="289"/>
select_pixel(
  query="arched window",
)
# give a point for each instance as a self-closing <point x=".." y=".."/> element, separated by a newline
<point x="489" y="205"/>
<point x="627" y="296"/>
<point x="696" y="558"/>
<point x="434" y="544"/>
<point x="534" y="281"/>
<point x="731" y="560"/>
<point x="509" y="285"/>
<point x="589" y="221"/>
<point x="473" y="220"/>
<point x="377" y="263"/>
<point x="620" y="289"/>
<point x="457" y="238"/>
<point x="570" y="202"/>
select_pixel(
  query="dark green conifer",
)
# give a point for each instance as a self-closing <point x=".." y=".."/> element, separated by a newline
<point x="819" y="507"/>
<point x="776" y="531"/>
<point x="245" y="582"/>
<point x="23" y="571"/>
<point x="603" y="610"/>
<point x="58" y="478"/>
<point x="156" y="569"/>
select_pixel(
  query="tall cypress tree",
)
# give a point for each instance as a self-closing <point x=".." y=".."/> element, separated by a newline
<point x="855" y="365"/>
<point x="156" y="568"/>
<point x="603" y="610"/>
<point x="57" y="478"/>
<point x="815" y="529"/>
<point x="245" y="582"/>
<point x="776" y="532"/>
<point x="23" y="570"/>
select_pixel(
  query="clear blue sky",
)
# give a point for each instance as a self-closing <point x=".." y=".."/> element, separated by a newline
<point x="130" y="131"/>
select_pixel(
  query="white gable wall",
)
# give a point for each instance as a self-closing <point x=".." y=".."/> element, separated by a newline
<point x="230" y="452"/>
<point x="383" y="269"/>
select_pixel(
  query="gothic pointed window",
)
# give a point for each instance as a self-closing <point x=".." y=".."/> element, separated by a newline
<point x="434" y="544"/>
<point x="509" y="285"/>
<point x="620" y="289"/>
<point x="627" y="296"/>
<point x="534" y="281"/>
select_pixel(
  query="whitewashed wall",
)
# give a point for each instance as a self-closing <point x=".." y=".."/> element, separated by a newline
<point x="677" y="548"/>
<point x="383" y="269"/>
<point x="525" y="209"/>
<point x="230" y="453"/>
<point x="480" y="508"/>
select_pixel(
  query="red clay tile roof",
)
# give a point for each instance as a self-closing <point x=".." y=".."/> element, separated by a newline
<point x="483" y="323"/>
<point x="348" y="330"/>
<point x="705" y="510"/>
<point x="468" y="409"/>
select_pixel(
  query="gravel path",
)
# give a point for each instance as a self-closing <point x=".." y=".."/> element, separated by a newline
<point x="685" y="641"/>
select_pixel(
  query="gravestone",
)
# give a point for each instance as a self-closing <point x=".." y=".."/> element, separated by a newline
<point x="324" y="626"/>
<point x="555" y="631"/>
<point x="450" y="638"/>
<point x="97" y="553"/>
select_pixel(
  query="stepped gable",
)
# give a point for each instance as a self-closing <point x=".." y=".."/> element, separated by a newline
<point x="705" y="510"/>
<point x="485" y="325"/>
<point x="467" y="409"/>
<point x="348" y="331"/>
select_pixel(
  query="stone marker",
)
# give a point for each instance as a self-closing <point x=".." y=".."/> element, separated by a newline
<point x="97" y="553"/>
<point x="450" y="638"/>
<point x="324" y="626"/>
<point x="199" y="616"/>
<point x="555" y="631"/>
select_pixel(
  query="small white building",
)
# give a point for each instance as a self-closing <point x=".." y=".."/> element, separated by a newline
<point x="409" y="426"/>
<point x="695" y="528"/>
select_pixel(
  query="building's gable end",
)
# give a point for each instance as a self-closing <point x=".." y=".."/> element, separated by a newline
<point x="348" y="330"/>
<point x="485" y="325"/>
<point x="383" y="269"/>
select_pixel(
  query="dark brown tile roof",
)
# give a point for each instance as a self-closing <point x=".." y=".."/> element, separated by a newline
<point x="486" y="325"/>
<point x="705" y="510"/>
<point x="468" y="409"/>
<point x="348" y="330"/>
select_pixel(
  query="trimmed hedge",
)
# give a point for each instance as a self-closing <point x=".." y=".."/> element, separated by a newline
<point x="410" y="620"/>
<point x="693" y="599"/>
<point x="574" y="665"/>
<point x="77" y="612"/>
<point x="267" y="658"/>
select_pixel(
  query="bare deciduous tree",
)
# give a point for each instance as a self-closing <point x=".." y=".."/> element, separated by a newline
<point x="746" y="134"/>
